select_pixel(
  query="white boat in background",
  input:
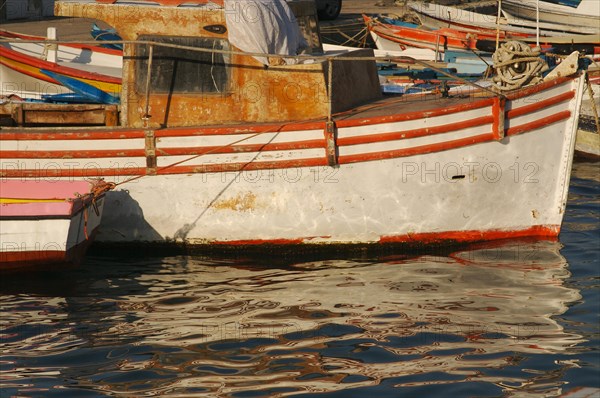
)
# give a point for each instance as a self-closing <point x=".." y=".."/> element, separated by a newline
<point x="568" y="14"/>
<point x="25" y="61"/>
<point x="48" y="222"/>
<point x="588" y="144"/>
<point x="441" y="16"/>
<point x="391" y="51"/>
<point x="588" y="134"/>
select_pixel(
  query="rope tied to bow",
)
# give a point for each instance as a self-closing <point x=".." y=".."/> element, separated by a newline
<point x="99" y="188"/>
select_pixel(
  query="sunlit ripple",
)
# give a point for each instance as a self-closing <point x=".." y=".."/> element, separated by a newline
<point x="310" y="327"/>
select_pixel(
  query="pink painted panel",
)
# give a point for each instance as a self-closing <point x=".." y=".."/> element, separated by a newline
<point x="30" y="189"/>
<point x="41" y="210"/>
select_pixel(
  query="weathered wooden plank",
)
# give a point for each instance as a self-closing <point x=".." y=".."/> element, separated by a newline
<point x="54" y="114"/>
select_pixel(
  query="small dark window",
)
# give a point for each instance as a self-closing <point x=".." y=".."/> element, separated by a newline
<point x="176" y="70"/>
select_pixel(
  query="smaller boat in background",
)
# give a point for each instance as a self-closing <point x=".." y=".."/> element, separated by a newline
<point x="24" y="58"/>
<point x="442" y="16"/>
<point x="106" y="35"/>
<point x="588" y="132"/>
<point x="48" y="222"/>
<point x="577" y="16"/>
<point x="395" y="35"/>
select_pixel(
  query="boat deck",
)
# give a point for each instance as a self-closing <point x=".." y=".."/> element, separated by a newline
<point x="394" y="105"/>
<point x="25" y="114"/>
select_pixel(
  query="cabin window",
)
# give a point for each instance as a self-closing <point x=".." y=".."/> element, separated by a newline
<point x="176" y="70"/>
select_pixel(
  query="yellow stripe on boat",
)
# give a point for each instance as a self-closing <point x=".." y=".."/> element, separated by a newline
<point x="21" y="67"/>
<point x="111" y="88"/>
<point x="20" y="200"/>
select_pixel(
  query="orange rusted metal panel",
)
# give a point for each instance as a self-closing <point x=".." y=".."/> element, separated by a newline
<point x="57" y="114"/>
<point x="254" y="93"/>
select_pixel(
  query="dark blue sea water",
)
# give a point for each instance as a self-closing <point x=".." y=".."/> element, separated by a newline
<point x="513" y="318"/>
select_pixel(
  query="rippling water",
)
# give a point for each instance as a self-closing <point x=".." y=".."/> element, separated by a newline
<point x="516" y="318"/>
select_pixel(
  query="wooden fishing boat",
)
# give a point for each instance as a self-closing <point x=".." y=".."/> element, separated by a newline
<point x="235" y="147"/>
<point x="388" y="36"/>
<point x="588" y="143"/>
<point x="580" y="15"/>
<point x="23" y="58"/>
<point x="48" y="222"/>
<point x="588" y="134"/>
<point x="441" y="16"/>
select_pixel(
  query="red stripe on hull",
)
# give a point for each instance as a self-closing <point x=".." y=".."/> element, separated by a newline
<point x="21" y="259"/>
<point x="523" y="110"/>
<point x="119" y="153"/>
<point x="402" y="117"/>
<point x="441" y="146"/>
<point x="204" y="168"/>
<point x="536" y="124"/>
<point x="233" y="167"/>
<point x="55" y="173"/>
<point x="546" y="231"/>
<point x="72" y="136"/>
<point x="93" y="154"/>
<point x="447" y="237"/>
<point x="283" y="146"/>
<point x="398" y="135"/>
<point x="241" y="129"/>
<point x="171" y="132"/>
<point x="308" y="144"/>
<point x="524" y="92"/>
<point x="258" y="242"/>
<point x="44" y="259"/>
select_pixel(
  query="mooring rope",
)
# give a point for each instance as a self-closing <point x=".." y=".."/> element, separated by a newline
<point x="594" y="108"/>
<point x="517" y="64"/>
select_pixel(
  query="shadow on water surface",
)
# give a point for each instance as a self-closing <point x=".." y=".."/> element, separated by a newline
<point x="474" y="320"/>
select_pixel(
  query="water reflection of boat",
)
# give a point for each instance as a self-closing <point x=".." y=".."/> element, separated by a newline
<point x="192" y="325"/>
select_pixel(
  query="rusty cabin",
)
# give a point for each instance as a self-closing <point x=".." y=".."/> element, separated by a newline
<point x="196" y="77"/>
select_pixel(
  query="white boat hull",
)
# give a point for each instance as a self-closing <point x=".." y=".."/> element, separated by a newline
<point x="459" y="184"/>
<point x="416" y="53"/>
<point x="21" y="64"/>
<point x="48" y="241"/>
<point x="45" y="223"/>
<point x="588" y="143"/>
<point x="388" y="46"/>
<point x="440" y="16"/>
<point x="585" y="17"/>
<point x="22" y="85"/>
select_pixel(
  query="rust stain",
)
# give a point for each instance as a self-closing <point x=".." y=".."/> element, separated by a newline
<point x="241" y="202"/>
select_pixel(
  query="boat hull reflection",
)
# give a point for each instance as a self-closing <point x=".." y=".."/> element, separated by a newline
<point x="220" y="328"/>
